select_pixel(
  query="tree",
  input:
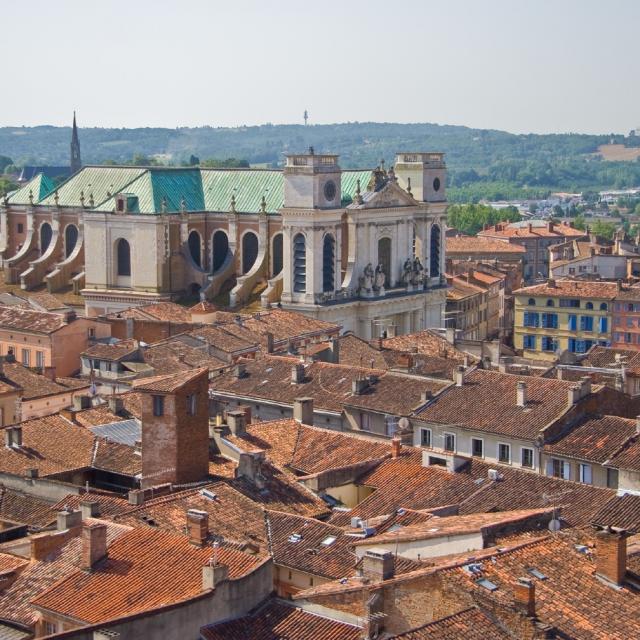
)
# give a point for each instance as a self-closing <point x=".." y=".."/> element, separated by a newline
<point x="6" y="186"/>
<point x="471" y="218"/>
<point x="194" y="161"/>
<point x="637" y="209"/>
<point x="5" y="161"/>
<point x="580" y="223"/>
<point x="558" y="211"/>
<point x="604" y="229"/>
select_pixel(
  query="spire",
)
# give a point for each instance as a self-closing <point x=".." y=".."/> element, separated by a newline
<point x="76" y="162"/>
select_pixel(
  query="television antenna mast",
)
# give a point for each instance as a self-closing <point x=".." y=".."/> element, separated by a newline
<point x="306" y="117"/>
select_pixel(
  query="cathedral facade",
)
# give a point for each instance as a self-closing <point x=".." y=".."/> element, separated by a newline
<point x="364" y="249"/>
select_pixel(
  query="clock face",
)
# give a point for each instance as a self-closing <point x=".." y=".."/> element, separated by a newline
<point x="436" y="184"/>
<point x="329" y="190"/>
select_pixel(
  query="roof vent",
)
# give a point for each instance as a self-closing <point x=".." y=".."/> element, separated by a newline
<point x="493" y="474"/>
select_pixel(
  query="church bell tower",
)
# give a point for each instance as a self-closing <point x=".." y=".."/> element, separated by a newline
<point x="76" y="162"/>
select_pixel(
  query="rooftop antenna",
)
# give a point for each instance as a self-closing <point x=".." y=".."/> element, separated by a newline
<point x="306" y="117"/>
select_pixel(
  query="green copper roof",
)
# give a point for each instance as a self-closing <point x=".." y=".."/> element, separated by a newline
<point x="96" y="181"/>
<point x="40" y="187"/>
<point x="201" y="189"/>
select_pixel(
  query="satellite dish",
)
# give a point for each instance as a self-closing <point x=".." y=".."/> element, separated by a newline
<point x="403" y="424"/>
<point x="554" y="525"/>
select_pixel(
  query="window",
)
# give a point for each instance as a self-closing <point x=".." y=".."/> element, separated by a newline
<point x="50" y="628"/>
<point x="586" y="323"/>
<point x="528" y="342"/>
<point x="603" y="325"/>
<point x="526" y="457"/>
<point x="629" y="323"/>
<point x="26" y="357"/>
<point x="584" y="473"/>
<point x="603" y="306"/>
<point x="328" y="262"/>
<point x="158" y="405"/>
<point x="531" y="319"/>
<point x="627" y="337"/>
<point x="612" y="478"/>
<point x="559" y="469"/>
<point x="572" y="270"/>
<point x="477" y="447"/>
<point x="504" y="452"/>
<point x="299" y="264"/>
<point x="425" y="437"/>
<point x="532" y="302"/>
<point x="192" y="404"/>
<point x="39" y="359"/>
<point x="20" y="227"/>
<point x="390" y="425"/>
<point x="123" y="258"/>
<point x="589" y="305"/>
<point x="550" y="320"/>
<point x="449" y="442"/>
<point x="365" y="422"/>
<point x="567" y="302"/>
<point x="550" y="303"/>
<point x="573" y="322"/>
<point x="434" y="263"/>
<point x="548" y="343"/>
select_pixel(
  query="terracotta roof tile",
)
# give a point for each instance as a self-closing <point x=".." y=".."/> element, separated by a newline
<point x="162" y="568"/>
<point x="174" y="355"/>
<point x="113" y="351"/>
<point x="167" y="383"/>
<point x="109" y="504"/>
<point x="164" y="311"/>
<point x="220" y="338"/>
<point x="593" y="438"/>
<point x="427" y="343"/>
<point x="470" y="624"/>
<point x="24" y="508"/>
<point x="101" y="414"/>
<point x="607" y="357"/>
<point x="628" y="457"/>
<point x="46" y="302"/>
<point x="521" y="230"/>
<point x="487" y="402"/>
<point x="476" y="245"/>
<point x="281" y="620"/>
<point x="306" y="449"/>
<point x="30" y="320"/>
<point x="621" y="511"/>
<point x="33" y="385"/>
<point x="572" y="288"/>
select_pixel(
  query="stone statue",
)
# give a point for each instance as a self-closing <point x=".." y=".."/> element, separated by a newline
<point x="366" y="280"/>
<point x="407" y="271"/>
<point x="417" y="271"/>
<point x="380" y="277"/>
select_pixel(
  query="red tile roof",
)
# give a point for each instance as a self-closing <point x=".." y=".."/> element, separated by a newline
<point x="33" y="385"/>
<point x="628" y="457"/>
<point x="24" y="508"/>
<point x="113" y="351"/>
<point x="168" y="383"/>
<point x="161" y="568"/>
<point x="621" y="511"/>
<point x="521" y="230"/>
<point x="487" y="402"/>
<point x="279" y="620"/>
<point x="572" y="289"/>
<point x="475" y="245"/>
<point x="164" y="311"/>
<point x="30" y="321"/>
<point x="470" y="624"/>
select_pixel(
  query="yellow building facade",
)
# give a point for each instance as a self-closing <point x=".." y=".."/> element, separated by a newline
<point x="563" y="315"/>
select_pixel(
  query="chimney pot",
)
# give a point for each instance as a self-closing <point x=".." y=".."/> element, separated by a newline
<point x="378" y="564"/>
<point x="297" y="373"/>
<point x="94" y="544"/>
<point x="90" y="509"/>
<point x="524" y="593"/>
<point x="269" y="340"/>
<point x="573" y="395"/>
<point x="585" y="386"/>
<point x="611" y="555"/>
<point x="425" y="396"/>
<point x="236" y="422"/>
<point x="68" y="519"/>
<point x="116" y="405"/>
<point x="459" y="376"/>
<point x="198" y="526"/>
<point x="212" y="574"/>
<point x="396" y="447"/>
<point x="521" y="394"/>
<point x="303" y="410"/>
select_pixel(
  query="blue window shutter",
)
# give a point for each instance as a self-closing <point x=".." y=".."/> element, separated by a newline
<point x="603" y="325"/>
<point x="573" y="321"/>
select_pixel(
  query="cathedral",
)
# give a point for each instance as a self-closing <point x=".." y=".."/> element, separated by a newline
<point x="362" y="248"/>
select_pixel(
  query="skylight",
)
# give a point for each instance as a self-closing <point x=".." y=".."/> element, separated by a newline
<point x="536" y="574"/>
<point x="487" y="584"/>
<point x="328" y="541"/>
<point x="295" y="537"/>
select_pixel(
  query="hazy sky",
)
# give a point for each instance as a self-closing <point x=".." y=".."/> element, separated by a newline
<point x="517" y="65"/>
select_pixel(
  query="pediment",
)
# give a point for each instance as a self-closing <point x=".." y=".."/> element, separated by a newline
<point x="391" y="195"/>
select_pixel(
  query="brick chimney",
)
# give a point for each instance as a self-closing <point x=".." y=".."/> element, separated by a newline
<point x="94" y="544"/>
<point x="303" y="410"/>
<point x="116" y="405"/>
<point x="378" y="564"/>
<point x="197" y="527"/>
<point x="396" y="447"/>
<point x="236" y="422"/>
<point x="611" y="555"/>
<point x="521" y="394"/>
<point x="524" y="596"/>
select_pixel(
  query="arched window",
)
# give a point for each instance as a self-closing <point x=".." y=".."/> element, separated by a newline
<point x="249" y="251"/>
<point x="435" y="251"/>
<point x="603" y="306"/>
<point x="532" y="302"/>
<point x="195" y="247"/>
<point x="328" y="263"/>
<point x="299" y="264"/>
<point x="220" y="245"/>
<point x="589" y="305"/>
<point x="124" y="257"/>
<point x="70" y="239"/>
<point x="45" y="236"/>
<point x="276" y="255"/>
<point x="550" y="303"/>
<point x="384" y="257"/>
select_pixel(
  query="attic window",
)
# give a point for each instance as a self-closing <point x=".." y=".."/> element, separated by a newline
<point x="487" y="584"/>
<point x="328" y="541"/>
<point x="295" y="537"/>
<point x="473" y="568"/>
<point x="536" y="574"/>
<point x="205" y="493"/>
